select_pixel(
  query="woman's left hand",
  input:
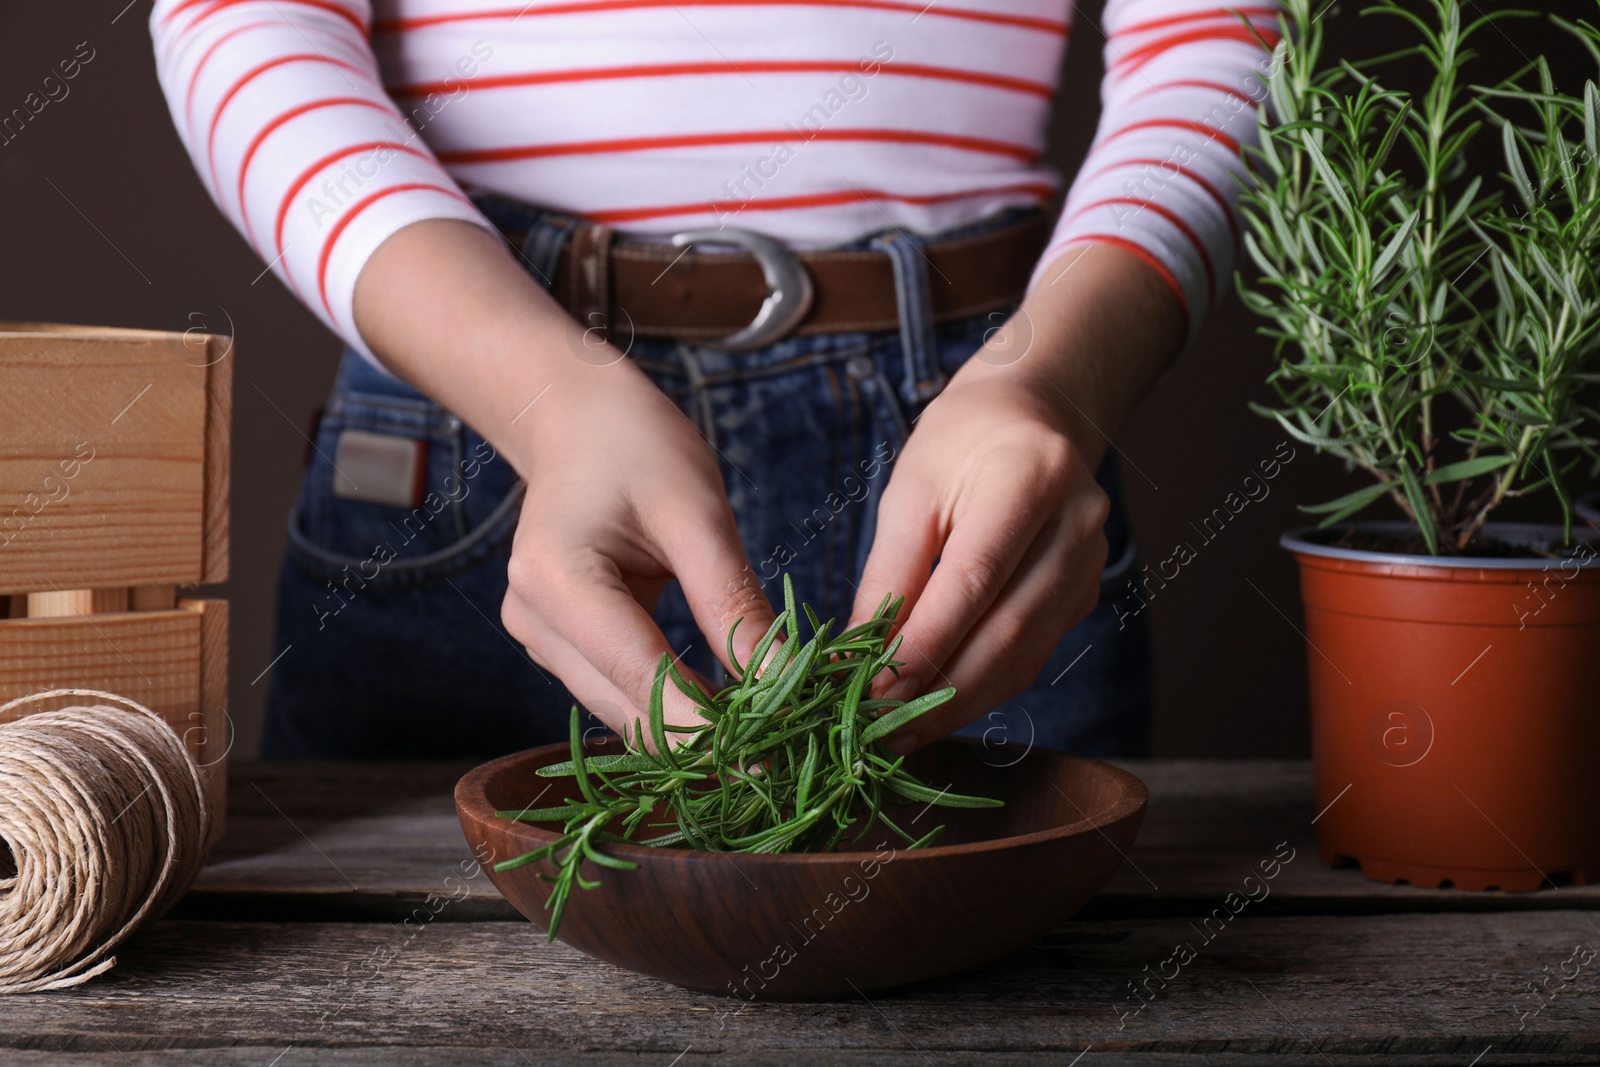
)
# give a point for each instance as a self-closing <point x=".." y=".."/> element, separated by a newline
<point x="997" y="484"/>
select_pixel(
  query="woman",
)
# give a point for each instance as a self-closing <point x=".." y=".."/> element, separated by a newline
<point x="644" y="300"/>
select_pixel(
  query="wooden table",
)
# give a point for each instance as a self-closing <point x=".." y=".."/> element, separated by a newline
<point x="341" y="921"/>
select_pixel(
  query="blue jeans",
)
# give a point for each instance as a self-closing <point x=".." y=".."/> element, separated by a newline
<point x="391" y="615"/>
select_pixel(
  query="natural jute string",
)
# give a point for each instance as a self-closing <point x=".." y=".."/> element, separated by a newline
<point x="105" y="815"/>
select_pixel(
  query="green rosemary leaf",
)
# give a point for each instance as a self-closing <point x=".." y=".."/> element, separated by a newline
<point x="789" y="606"/>
<point x="595" y="855"/>
<point x="1419" y="505"/>
<point x="914" y="790"/>
<point x="1395" y="246"/>
<point x="808" y="773"/>
<point x="658" y="711"/>
<point x="1467" y="469"/>
<point x="758" y="655"/>
<point x="792" y="674"/>
<point x="529" y="857"/>
<point x="888" y="723"/>
<point x="1591" y="119"/>
<point x="852" y="703"/>
<point x="1349" y="502"/>
<point x="811" y="617"/>
<point x="704" y="704"/>
<point x="631" y="761"/>
<point x="541" y="814"/>
<point x="579" y="772"/>
<point x="733" y="658"/>
<point x="780" y="764"/>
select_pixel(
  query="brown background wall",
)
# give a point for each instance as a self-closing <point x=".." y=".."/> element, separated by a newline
<point x="105" y="222"/>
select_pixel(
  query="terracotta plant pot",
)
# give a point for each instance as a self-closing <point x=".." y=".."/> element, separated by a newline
<point x="1455" y="719"/>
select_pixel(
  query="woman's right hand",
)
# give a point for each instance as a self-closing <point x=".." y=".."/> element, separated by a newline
<point x="623" y="494"/>
<point x="623" y="491"/>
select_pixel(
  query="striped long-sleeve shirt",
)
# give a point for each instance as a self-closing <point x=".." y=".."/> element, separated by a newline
<point x="321" y="127"/>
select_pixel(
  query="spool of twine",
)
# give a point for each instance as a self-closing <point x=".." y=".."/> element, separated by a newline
<point x="104" y="814"/>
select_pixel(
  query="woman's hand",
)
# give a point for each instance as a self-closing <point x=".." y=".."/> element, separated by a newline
<point x="623" y="492"/>
<point x="997" y="484"/>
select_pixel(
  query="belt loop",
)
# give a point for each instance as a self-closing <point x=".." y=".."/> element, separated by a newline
<point x="589" y="276"/>
<point x="542" y="245"/>
<point x="914" y="305"/>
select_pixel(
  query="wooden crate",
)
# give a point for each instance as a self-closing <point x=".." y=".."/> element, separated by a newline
<point x="113" y="494"/>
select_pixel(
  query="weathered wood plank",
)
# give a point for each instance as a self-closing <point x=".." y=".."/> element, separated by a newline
<point x="1403" y="987"/>
<point x="436" y="1056"/>
<point x="368" y="841"/>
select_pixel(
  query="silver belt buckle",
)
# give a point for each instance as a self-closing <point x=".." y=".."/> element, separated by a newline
<point x="789" y="287"/>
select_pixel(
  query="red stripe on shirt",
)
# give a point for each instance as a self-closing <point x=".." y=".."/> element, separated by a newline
<point x="292" y="113"/>
<point x="1194" y="83"/>
<point x="667" y="70"/>
<point x="1198" y="16"/>
<point x="792" y="203"/>
<point x="317" y="168"/>
<point x="256" y="72"/>
<point x="1172" y="217"/>
<point x="1176" y="124"/>
<point x="199" y="68"/>
<point x="1058" y="29"/>
<point x="702" y="140"/>
<point x="1158" y="266"/>
<point x="349" y="216"/>
<point x="220" y="5"/>
<point x="1210" y="190"/>
<point x="1138" y="57"/>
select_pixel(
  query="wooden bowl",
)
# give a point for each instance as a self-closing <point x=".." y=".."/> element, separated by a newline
<point x="820" y="926"/>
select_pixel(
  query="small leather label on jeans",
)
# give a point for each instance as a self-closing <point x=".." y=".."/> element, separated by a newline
<point x="380" y="468"/>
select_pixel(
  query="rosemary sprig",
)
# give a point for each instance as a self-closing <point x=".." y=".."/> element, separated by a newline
<point x="787" y="759"/>
<point x="1437" y="325"/>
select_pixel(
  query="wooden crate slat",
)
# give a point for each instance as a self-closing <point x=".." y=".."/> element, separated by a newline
<point x="149" y="656"/>
<point x="174" y="662"/>
<point x="214" y="737"/>
<point x="113" y="458"/>
<point x="218" y="444"/>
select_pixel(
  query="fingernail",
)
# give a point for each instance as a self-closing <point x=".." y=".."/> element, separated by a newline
<point x="901" y="744"/>
<point x="907" y="687"/>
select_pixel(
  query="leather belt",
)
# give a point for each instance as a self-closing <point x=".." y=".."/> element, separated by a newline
<point x="678" y="290"/>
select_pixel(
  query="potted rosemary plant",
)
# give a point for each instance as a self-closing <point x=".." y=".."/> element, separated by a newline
<point x="1426" y="263"/>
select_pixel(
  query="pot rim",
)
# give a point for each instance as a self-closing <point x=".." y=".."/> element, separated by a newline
<point x="1307" y="540"/>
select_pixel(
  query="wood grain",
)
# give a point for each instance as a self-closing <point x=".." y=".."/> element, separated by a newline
<point x="70" y="602"/>
<point x="219" y="455"/>
<point x="149" y="656"/>
<point x="1329" y="969"/>
<point x="1411" y="989"/>
<point x="152" y="598"/>
<point x="210" y="735"/>
<point x="113" y="459"/>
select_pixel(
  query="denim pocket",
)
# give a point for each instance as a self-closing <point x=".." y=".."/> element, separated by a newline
<point x="466" y="498"/>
